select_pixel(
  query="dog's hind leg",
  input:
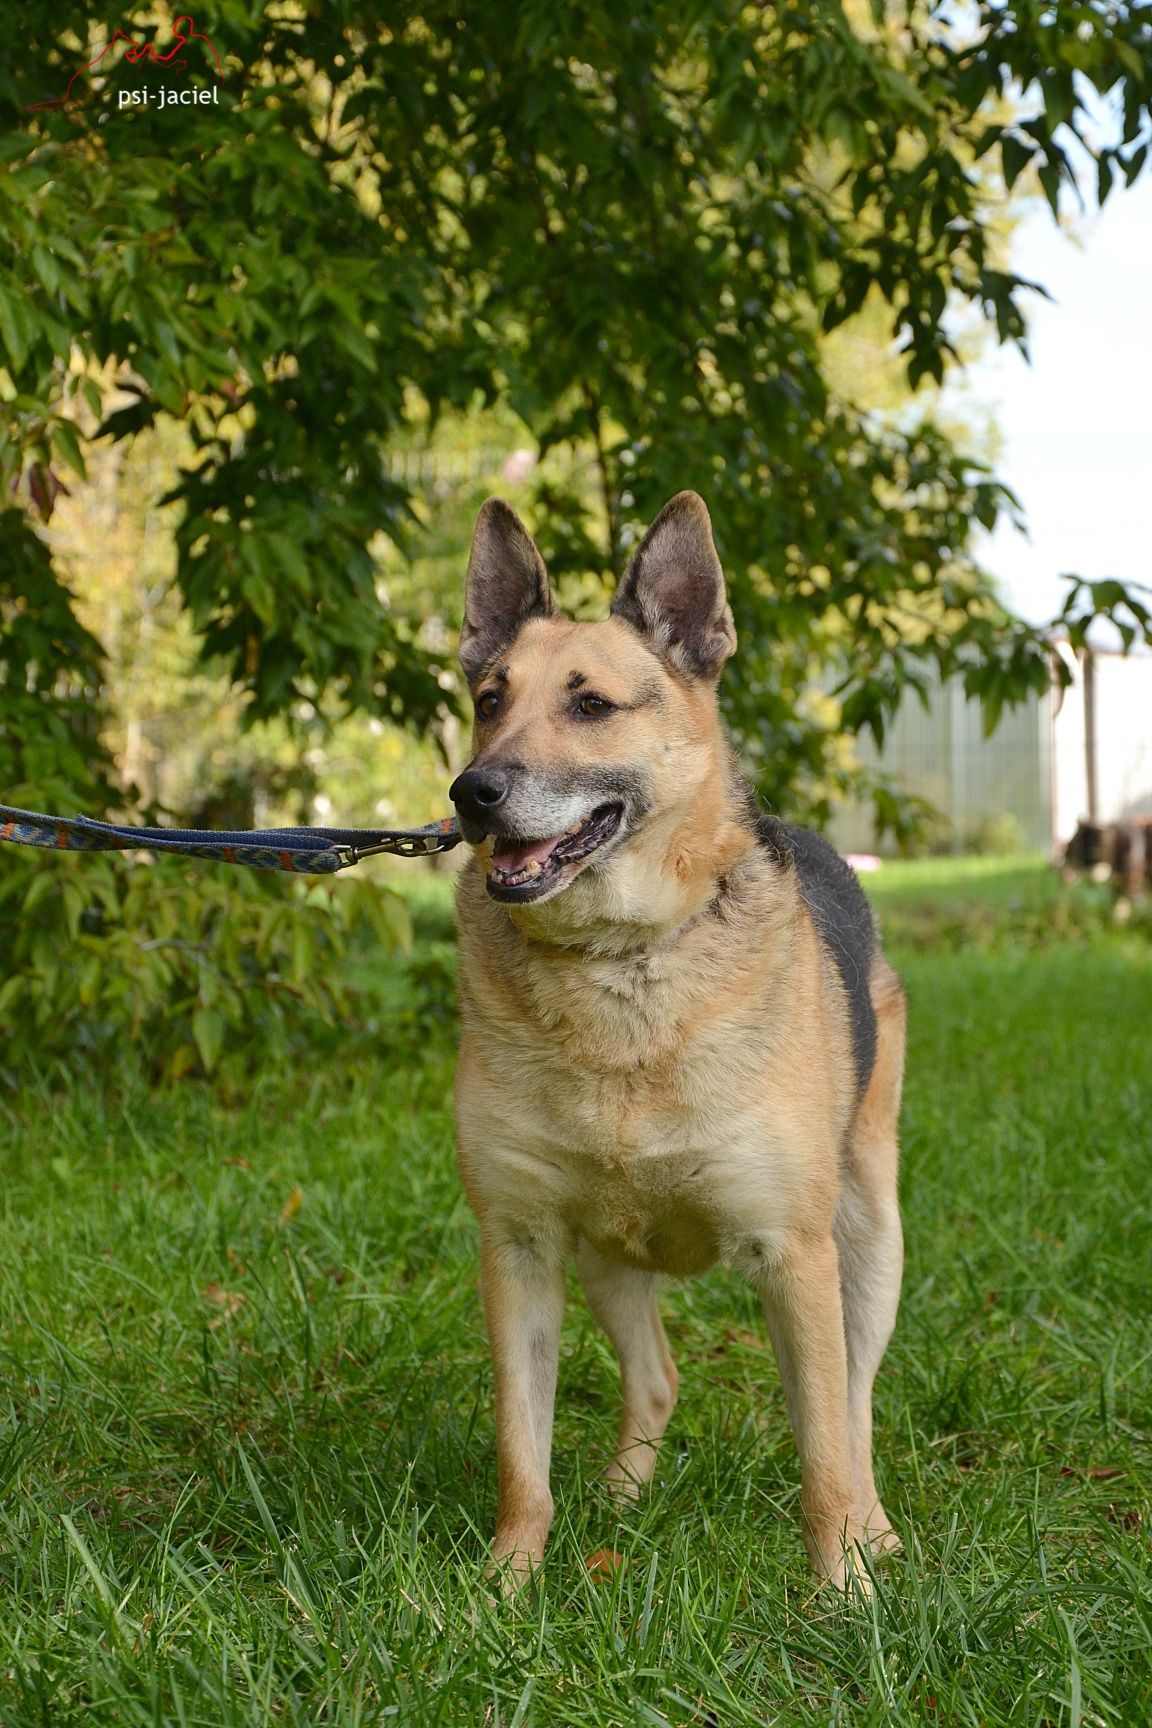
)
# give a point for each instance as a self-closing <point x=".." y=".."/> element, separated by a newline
<point x="624" y="1301"/>
<point x="871" y="1246"/>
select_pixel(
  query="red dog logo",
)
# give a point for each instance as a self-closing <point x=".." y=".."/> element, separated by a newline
<point x="183" y="31"/>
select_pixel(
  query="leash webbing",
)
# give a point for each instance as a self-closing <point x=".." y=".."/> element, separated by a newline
<point x="304" y="851"/>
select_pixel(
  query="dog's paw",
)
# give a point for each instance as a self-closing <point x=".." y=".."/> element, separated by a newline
<point x="510" y="1570"/>
<point x="631" y="1470"/>
<point x="851" y="1574"/>
<point x="848" y="1578"/>
<point x="884" y="1542"/>
<point x="623" y="1486"/>
<point x="879" y="1536"/>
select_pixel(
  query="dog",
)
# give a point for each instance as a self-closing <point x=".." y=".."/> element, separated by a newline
<point x="680" y="1044"/>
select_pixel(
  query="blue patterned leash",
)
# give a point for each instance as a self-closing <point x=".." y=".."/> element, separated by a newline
<point x="304" y="851"/>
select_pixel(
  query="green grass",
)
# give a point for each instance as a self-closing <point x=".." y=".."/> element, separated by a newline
<point x="983" y="881"/>
<point x="246" y="1429"/>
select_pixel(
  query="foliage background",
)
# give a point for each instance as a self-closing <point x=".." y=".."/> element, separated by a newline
<point x="263" y="357"/>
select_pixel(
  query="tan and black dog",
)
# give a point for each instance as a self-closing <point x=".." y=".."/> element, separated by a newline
<point x="681" y="1044"/>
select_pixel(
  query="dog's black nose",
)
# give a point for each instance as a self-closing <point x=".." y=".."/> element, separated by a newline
<point x="478" y="792"/>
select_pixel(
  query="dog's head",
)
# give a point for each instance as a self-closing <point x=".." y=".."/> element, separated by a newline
<point x="597" y="747"/>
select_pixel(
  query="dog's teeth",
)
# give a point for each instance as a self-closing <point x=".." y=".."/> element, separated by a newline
<point x="534" y="867"/>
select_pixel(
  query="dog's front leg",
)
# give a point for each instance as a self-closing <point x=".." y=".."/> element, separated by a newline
<point x="625" y="1303"/>
<point x="523" y="1285"/>
<point x="801" y="1293"/>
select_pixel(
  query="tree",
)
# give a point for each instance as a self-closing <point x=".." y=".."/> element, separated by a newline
<point x="629" y="224"/>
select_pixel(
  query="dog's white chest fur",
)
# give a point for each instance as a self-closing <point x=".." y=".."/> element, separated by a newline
<point x="634" y="1109"/>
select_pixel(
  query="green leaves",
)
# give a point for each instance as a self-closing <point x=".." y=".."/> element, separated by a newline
<point x="50" y="680"/>
<point x="18" y="329"/>
<point x="635" y="226"/>
<point x="1015" y="155"/>
<point x="208" y="1029"/>
<point x="200" y="971"/>
<point x="1127" y="608"/>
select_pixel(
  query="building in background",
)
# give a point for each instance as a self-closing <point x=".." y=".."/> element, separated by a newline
<point x="1078" y="753"/>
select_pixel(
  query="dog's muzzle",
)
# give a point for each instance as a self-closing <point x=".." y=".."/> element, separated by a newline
<point x="541" y="838"/>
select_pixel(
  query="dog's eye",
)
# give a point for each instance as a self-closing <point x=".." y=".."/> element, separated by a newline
<point x="593" y="706"/>
<point x="487" y="704"/>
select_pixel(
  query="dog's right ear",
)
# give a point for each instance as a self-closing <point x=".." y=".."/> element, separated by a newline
<point x="506" y="585"/>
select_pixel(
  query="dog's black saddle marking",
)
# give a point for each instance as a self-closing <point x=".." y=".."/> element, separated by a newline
<point x="843" y="920"/>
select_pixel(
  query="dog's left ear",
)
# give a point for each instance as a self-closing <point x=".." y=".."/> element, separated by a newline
<point x="506" y="585"/>
<point x="673" y="590"/>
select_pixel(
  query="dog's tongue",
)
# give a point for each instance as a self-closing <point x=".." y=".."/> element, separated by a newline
<point x="511" y="856"/>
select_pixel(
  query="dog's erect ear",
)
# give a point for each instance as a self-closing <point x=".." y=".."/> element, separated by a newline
<point x="506" y="585"/>
<point x="673" y="590"/>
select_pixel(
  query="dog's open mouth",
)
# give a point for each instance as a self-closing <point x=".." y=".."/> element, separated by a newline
<point x="526" y="869"/>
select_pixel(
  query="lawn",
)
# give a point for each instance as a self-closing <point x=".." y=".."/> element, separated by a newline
<point x="246" y="1425"/>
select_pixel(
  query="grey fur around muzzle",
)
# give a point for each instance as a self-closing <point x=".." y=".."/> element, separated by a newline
<point x="514" y="802"/>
